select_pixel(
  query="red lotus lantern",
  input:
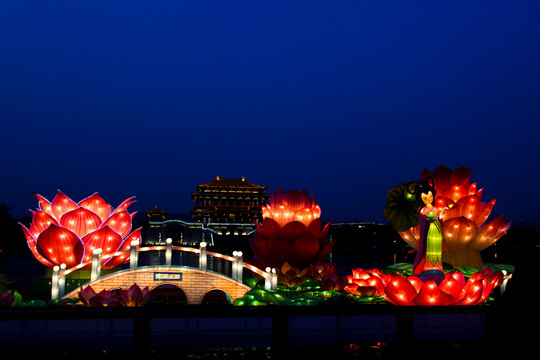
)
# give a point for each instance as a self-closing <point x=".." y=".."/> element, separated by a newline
<point x="364" y="283"/>
<point x="453" y="290"/>
<point x="66" y="232"/>
<point x="291" y="234"/>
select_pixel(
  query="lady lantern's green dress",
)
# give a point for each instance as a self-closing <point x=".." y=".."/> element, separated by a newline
<point x="429" y="256"/>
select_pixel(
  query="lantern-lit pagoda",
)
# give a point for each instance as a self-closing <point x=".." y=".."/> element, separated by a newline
<point x="228" y="201"/>
<point x="223" y="216"/>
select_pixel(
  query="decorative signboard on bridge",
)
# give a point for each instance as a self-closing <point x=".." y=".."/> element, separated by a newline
<point x="167" y="276"/>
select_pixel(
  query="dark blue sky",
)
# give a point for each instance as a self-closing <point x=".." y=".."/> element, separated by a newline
<point x="345" y="99"/>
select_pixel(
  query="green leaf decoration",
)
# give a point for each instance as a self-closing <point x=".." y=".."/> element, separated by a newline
<point x="401" y="207"/>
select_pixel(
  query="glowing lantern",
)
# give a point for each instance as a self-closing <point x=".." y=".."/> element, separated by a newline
<point x="364" y="282"/>
<point x="328" y="276"/>
<point x="134" y="296"/>
<point x="104" y="298"/>
<point x="463" y="223"/>
<point x="291" y="234"/>
<point x="453" y="290"/>
<point x="65" y="232"/>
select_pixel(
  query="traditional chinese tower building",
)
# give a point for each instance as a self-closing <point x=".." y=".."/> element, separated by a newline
<point x="228" y="201"/>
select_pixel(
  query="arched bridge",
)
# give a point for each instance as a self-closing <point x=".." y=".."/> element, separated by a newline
<point x="194" y="282"/>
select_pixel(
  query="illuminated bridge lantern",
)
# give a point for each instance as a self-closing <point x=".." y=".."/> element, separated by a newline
<point x="65" y="232"/>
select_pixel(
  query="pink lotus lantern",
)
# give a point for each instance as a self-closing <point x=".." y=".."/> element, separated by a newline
<point x="66" y="232"/>
<point x="134" y="296"/>
<point x="104" y="298"/>
<point x="328" y="276"/>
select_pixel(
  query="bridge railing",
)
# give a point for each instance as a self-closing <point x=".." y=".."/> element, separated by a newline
<point x="59" y="273"/>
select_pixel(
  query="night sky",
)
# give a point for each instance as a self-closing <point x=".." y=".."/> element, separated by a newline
<point x="344" y="99"/>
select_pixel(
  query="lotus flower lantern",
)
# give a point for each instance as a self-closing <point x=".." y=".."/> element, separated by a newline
<point x="65" y="232"/>
<point x="463" y="223"/>
<point x="290" y="236"/>
<point x="455" y="289"/>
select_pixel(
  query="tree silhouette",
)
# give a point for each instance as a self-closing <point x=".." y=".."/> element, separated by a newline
<point x="11" y="236"/>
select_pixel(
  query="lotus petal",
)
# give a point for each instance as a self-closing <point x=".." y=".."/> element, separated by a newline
<point x="325" y="230"/>
<point x="458" y="233"/>
<point x="7" y="298"/>
<point x="59" y="246"/>
<point x="81" y="221"/>
<point x="486" y="211"/>
<point x="258" y="245"/>
<point x="471" y="294"/>
<point x="430" y="294"/>
<point x="451" y="286"/>
<point x="361" y="288"/>
<point x="281" y="214"/>
<point x="133" y="296"/>
<point x="279" y="251"/>
<point x="305" y="250"/>
<point x="292" y="275"/>
<point x="473" y="190"/>
<point x="62" y="204"/>
<point x="124" y="205"/>
<point x="97" y="205"/>
<point x="333" y="282"/>
<point x="86" y="293"/>
<point x="41" y="220"/>
<point x="33" y="248"/>
<point x="456" y="192"/>
<point x="293" y="230"/>
<point x="297" y="200"/>
<point x="320" y="270"/>
<point x="461" y="176"/>
<point x="399" y="291"/>
<point x="411" y="236"/>
<point x="490" y="233"/>
<point x="442" y="176"/>
<point x="103" y="238"/>
<point x="105" y="298"/>
<point x="44" y="204"/>
<point x="469" y="207"/>
<point x="415" y="282"/>
<point x="119" y="222"/>
<point x="270" y="228"/>
<point x="307" y="215"/>
<point x="120" y="259"/>
<point x="325" y="250"/>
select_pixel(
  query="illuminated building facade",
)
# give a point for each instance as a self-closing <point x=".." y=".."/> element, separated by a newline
<point x="223" y="216"/>
<point x="228" y="201"/>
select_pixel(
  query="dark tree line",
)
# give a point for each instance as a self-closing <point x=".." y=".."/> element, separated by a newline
<point x="12" y="240"/>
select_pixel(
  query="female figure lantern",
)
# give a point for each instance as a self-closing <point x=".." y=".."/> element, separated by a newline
<point x="428" y="261"/>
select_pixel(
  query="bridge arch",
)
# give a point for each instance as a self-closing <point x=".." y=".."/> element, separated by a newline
<point x="195" y="283"/>
<point x="219" y="296"/>
<point x="169" y="293"/>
